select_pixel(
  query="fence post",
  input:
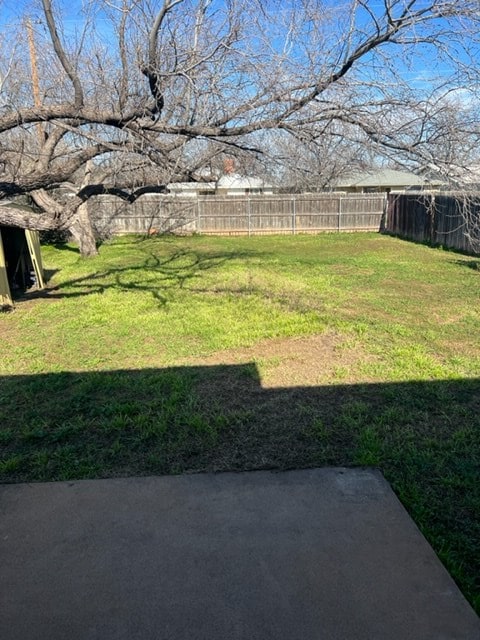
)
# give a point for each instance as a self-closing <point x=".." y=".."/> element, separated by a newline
<point x="294" y="215"/>
<point x="384" y="219"/>
<point x="249" y="215"/>
<point x="339" y="225"/>
<point x="199" y="224"/>
<point x="433" y="219"/>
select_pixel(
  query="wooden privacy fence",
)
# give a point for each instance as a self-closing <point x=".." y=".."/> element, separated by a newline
<point x="438" y="219"/>
<point x="238" y="215"/>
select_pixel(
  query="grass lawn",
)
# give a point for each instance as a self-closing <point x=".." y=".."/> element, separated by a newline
<point x="168" y="355"/>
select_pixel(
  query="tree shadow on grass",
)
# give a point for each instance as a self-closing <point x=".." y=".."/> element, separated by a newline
<point x="470" y="264"/>
<point x="424" y="436"/>
<point x="64" y="246"/>
<point x="48" y="274"/>
<point x="153" y="274"/>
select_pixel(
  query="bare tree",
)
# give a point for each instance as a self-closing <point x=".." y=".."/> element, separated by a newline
<point x="159" y="79"/>
<point x="313" y="158"/>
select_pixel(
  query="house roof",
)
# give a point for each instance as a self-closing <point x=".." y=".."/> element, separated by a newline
<point x="381" y="178"/>
<point x="227" y="181"/>
<point x="190" y="186"/>
<point x="455" y="175"/>
<point x="236" y="181"/>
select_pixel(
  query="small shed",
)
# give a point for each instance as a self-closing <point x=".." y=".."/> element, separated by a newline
<point x="20" y="263"/>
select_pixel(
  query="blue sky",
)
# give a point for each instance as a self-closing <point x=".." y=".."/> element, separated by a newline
<point x="420" y="73"/>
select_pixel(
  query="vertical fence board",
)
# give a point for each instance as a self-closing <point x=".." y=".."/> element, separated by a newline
<point x="303" y="213"/>
<point x="438" y="219"/>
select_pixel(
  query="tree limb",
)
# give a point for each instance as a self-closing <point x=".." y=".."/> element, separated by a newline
<point x="61" y="55"/>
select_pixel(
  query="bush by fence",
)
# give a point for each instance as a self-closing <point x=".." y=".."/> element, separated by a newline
<point x="238" y="215"/>
<point x="440" y="219"/>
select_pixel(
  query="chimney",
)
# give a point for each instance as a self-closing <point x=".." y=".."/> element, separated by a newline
<point x="229" y="166"/>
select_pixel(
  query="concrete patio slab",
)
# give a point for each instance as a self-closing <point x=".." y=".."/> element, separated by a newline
<point x="327" y="554"/>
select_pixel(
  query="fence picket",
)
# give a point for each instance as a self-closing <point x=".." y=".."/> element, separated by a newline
<point x="438" y="219"/>
<point x="253" y="215"/>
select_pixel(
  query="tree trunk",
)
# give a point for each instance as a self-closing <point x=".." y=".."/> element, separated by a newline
<point x="13" y="215"/>
<point x="82" y="232"/>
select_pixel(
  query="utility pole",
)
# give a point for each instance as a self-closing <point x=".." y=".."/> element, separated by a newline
<point x="35" y="82"/>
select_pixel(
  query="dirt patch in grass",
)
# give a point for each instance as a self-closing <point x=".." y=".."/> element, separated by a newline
<point x="292" y="362"/>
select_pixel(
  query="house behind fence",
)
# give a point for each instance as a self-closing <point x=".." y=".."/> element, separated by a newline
<point x="437" y="219"/>
<point x="305" y="213"/>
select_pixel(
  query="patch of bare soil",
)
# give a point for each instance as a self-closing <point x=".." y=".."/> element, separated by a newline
<point x="279" y="402"/>
<point x="293" y="362"/>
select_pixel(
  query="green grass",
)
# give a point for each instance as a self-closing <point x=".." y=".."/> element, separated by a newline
<point x="167" y="355"/>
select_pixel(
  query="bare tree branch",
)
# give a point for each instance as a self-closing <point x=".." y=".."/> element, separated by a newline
<point x="62" y="57"/>
<point x="316" y="84"/>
